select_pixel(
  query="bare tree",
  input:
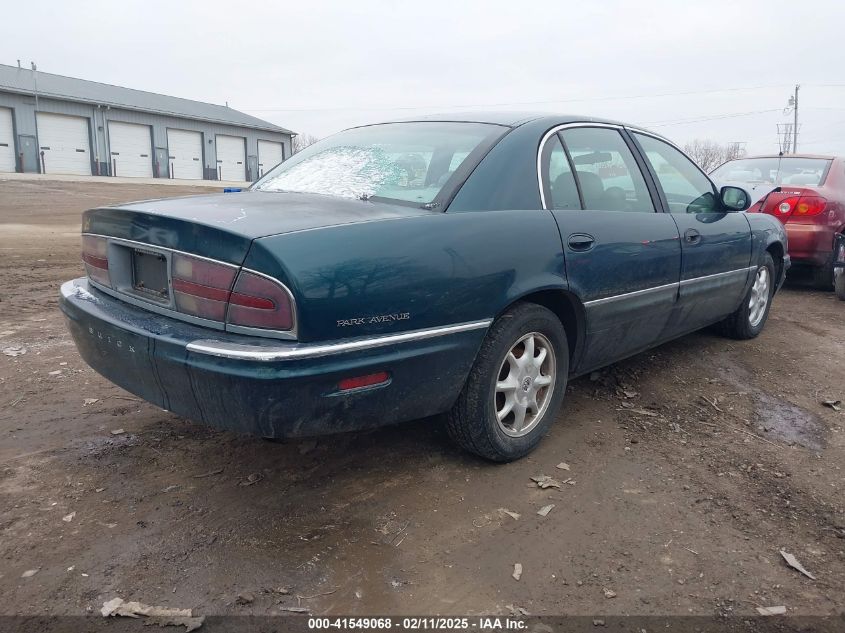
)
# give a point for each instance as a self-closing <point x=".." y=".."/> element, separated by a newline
<point x="301" y="141"/>
<point x="733" y="151"/>
<point x="710" y="154"/>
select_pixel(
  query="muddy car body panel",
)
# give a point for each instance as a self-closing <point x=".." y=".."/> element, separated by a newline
<point x="390" y="296"/>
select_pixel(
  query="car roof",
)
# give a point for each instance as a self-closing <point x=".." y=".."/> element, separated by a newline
<point x="514" y="119"/>
<point x="507" y="118"/>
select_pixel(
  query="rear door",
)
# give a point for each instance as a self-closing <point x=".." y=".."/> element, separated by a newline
<point x="622" y="256"/>
<point x="715" y="245"/>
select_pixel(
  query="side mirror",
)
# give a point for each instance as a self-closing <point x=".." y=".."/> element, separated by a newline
<point x="734" y="199"/>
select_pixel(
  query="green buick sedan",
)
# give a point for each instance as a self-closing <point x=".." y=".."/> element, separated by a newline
<point x="466" y="265"/>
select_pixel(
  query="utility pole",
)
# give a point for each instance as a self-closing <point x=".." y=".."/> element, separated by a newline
<point x="784" y="137"/>
<point x="795" y="122"/>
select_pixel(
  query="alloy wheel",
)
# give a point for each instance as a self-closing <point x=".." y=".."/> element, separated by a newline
<point x="759" y="296"/>
<point x="525" y="384"/>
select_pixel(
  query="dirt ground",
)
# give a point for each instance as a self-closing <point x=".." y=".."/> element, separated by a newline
<point x="690" y="467"/>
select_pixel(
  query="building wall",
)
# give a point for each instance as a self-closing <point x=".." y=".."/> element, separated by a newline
<point x="23" y="109"/>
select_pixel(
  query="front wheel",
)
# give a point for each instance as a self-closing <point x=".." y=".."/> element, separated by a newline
<point x="750" y="317"/>
<point x="515" y="387"/>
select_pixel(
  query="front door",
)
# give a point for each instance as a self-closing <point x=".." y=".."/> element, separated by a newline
<point x="29" y="154"/>
<point x="715" y="245"/>
<point x="162" y="167"/>
<point x="252" y="167"/>
<point x="622" y="257"/>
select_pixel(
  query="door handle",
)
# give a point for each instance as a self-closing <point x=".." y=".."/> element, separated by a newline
<point x="581" y="241"/>
<point x="691" y="236"/>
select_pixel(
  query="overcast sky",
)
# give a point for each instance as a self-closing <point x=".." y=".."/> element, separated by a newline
<point x="318" y="67"/>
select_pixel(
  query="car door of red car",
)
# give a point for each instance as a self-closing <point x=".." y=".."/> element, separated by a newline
<point x="715" y="245"/>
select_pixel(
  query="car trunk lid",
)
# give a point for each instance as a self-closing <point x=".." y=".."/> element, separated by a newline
<point x="222" y="226"/>
<point x="183" y="257"/>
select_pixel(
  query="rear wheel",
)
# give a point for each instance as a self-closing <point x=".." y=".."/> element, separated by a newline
<point x="839" y="284"/>
<point x="750" y="317"/>
<point x="515" y="387"/>
<point x="823" y="275"/>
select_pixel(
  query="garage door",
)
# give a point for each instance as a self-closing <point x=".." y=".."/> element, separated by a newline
<point x="131" y="150"/>
<point x="185" y="151"/>
<point x="7" y="141"/>
<point x="270" y="154"/>
<point x="231" y="161"/>
<point x="64" y="141"/>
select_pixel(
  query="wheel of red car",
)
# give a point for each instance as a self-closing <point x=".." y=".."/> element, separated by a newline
<point x="515" y="387"/>
<point x="823" y="275"/>
<point x="839" y="285"/>
<point x="750" y="317"/>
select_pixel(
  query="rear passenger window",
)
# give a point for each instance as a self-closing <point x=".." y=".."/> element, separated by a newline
<point x="607" y="173"/>
<point x="558" y="182"/>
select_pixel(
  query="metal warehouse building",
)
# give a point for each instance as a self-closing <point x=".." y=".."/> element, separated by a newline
<point x="60" y="125"/>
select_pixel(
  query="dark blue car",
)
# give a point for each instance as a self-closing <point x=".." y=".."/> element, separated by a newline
<point x="467" y="265"/>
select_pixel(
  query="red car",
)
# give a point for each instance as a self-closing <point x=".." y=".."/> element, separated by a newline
<point x="806" y="192"/>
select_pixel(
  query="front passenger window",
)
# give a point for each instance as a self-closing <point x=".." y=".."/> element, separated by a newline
<point x="685" y="186"/>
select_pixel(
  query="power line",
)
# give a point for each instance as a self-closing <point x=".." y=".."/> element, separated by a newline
<point x="825" y="140"/>
<point x="714" y="117"/>
<point x="515" y="103"/>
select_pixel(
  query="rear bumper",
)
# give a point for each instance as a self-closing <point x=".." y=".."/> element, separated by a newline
<point x="268" y="387"/>
<point x="810" y="244"/>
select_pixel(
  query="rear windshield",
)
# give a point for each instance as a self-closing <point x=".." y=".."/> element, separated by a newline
<point x="774" y="171"/>
<point x="408" y="162"/>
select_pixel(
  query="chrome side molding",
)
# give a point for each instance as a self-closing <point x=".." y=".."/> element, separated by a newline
<point x="683" y="283"/>
<point x="282" y="352"/>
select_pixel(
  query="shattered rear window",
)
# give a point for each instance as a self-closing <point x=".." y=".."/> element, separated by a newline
<point x="410" y="162"/>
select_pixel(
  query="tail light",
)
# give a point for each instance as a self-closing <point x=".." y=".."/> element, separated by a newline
<point x="788" y="206"/>
<point x="207" y="289"/>
<point x="260" y="302"/>
<point x="95" y="254"/>
<point x="210" y="290"/>
<point x="201" y="288"/>
<point x="809" y="205"/>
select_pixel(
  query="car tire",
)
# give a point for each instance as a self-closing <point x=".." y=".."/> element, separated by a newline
<point x="751" y="315"/>
<point x="823" y="276"/>
<point x="839" y="285"/>
<point x="503" y="375"/>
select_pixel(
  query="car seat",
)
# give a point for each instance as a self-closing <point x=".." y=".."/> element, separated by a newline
<point x="592" y="189"/>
